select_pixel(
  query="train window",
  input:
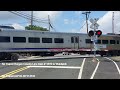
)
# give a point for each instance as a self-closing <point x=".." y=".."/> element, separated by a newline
<point x="72" y="39"/>
<point x="46" y="40"/>
<point x="104" y="41"/>
<point x="7" y="27"/>
<point x="88" y="41"/>
<point x="33" y="40"/>
<point x="19" y="39"/>
<point x="4" y="39"/>
<point x="58" y="40"/>
<point x="117" y="41"/>
<point x="76" y="39"/>
<point x="98" y="41"/>
<point x="112" y="41"/>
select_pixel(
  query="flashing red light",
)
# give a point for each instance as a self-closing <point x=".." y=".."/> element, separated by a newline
<point x="99" y="33"/>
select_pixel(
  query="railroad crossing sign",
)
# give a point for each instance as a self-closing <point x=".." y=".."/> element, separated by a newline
<point x="94" y="24"/>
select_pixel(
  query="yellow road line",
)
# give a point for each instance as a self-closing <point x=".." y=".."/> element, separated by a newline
<point x="13" y="72"/>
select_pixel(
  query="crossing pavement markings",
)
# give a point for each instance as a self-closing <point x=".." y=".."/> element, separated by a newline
<point x="81" y="70"/>
<point x="13" y="72"/>
<point x="95" y="69"/>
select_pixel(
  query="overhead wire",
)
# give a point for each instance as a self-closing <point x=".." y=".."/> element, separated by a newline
<point x="85" y="23"/>
<point x="26" y="16"/>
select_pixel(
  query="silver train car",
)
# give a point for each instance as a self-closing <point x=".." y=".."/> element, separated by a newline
<point x="16" y="42"/>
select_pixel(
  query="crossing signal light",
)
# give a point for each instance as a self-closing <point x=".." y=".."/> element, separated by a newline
<point x="91" y="33"/>
<point x="99" y="33"/>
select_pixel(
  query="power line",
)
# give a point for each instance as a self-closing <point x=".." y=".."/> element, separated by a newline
<point x="50" y="25"/>
<point x="33" y="18"/>
<point x="82" y="26"/>
<point x="27" y="17"/>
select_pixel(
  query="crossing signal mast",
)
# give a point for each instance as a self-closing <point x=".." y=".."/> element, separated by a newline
<point x="94" y="34"/>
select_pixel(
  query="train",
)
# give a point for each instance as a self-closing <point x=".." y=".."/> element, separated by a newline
<point x="14" y="43"/>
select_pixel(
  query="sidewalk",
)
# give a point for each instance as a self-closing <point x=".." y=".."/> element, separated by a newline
<point x="116" y="58"/>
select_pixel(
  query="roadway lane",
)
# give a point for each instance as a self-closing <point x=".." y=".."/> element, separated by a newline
<point x="53" y="73"/>
<point x="75" y="68"/>
<point x="88" y="69"/>
<point x="106" y="70"/>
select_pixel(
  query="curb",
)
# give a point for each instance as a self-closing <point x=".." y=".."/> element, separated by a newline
<point x="53" y="58"/>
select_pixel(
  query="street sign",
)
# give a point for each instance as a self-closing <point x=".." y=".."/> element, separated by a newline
<point x="94" y="24"/>
<point x="94" y="20"/>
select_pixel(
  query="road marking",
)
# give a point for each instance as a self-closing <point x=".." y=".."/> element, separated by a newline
<point x="81" y="70"/>
<point x="95" y="69"/>
<point x="13" y="72"/>
<point x="67" y="67"/>
<point x="56" y="57"/>
<point x="114" y="63"/>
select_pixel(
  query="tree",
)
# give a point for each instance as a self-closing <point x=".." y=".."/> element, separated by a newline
<point x="34" y="27"/>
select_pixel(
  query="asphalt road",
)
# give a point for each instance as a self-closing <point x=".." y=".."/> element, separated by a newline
<point x="75" y="68"/>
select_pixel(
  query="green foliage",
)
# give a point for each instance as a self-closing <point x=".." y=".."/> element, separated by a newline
<point x="34" y="27"/>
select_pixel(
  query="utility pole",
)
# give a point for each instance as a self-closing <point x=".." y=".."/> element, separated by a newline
<point x="31" y="19"/>
<point x="86" y="14"/>
<point x="113" y="22"/>
<point x="49" y="21"/>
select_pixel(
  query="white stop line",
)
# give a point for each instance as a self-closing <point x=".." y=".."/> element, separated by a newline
<point x="67" y="67"/>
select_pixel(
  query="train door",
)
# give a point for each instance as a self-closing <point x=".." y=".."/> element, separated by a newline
<point x="75" y="42"/>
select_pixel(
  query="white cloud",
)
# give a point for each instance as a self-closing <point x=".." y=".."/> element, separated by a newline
<point x="74" y="30"/>
<point x="6" y="15"/>
<point x="66" y="21"/>
<point x="9" y="18"/>
<point x="44" y="14"/>
<point x="78" y="12"/>
<point x="71" y="21"/>
<point x="105" y="23"/>
<point x="18" y="26"/>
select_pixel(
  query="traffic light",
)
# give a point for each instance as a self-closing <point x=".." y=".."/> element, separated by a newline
<point x="99" y="33"/>
<point x="91" y="33"/>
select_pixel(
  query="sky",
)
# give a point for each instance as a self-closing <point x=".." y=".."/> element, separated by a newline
<point x="64" y="21"/>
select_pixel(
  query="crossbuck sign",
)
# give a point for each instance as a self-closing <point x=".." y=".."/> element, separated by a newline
<point x="94" y="24"/>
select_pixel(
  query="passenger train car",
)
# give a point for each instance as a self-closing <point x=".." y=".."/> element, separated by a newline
<point x="16" y="42"/>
